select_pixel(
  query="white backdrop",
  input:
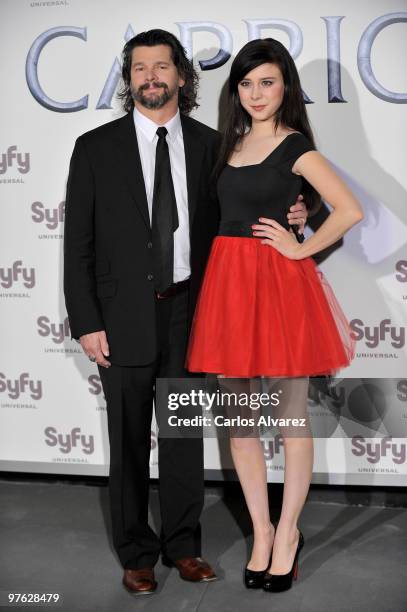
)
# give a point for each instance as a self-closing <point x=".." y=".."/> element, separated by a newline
<point x="59" y="74"/>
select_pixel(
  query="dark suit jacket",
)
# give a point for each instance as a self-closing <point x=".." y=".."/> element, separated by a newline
<point x="107" y="245"/>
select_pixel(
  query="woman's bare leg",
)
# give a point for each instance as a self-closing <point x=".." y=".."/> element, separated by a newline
<point x="248" y="458"/>
<point x="299" y="458"/>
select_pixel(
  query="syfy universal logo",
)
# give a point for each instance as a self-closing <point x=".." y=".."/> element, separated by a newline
<point x="95" y="386"/>
<point x="15" y="274"/>
<point x="401" y="271"/>
<point x="12" y="158"/>
<point x="57" y="331"/>
<point x="17" y="387"/>
<point x="374" y="334"/>
<point x="374" y="451"/>
<point x="272" y="447"/>
<point x="51" y="217"/>
<point x="402" y="390"/>
<point x="66" y="442"/>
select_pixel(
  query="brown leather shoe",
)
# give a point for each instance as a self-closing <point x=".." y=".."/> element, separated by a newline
<point x="195" y="569"/>
<point x="140" y="581"/>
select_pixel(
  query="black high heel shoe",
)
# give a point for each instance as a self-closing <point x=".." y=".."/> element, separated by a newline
<point x="275" y="583"/>
<point x="253" y="579"/>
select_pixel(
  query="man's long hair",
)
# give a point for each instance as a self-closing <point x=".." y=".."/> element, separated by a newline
<point x="187" y="94"/>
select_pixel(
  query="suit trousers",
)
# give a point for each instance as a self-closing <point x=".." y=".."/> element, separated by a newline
<point x="129" y="393"/>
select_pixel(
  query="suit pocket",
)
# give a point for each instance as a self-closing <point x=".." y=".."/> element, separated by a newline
<point x="106" y="289"/>
<point x="102" y="266"/>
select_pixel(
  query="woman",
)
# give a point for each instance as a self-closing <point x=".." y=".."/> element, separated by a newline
<point x="264" y="307"/>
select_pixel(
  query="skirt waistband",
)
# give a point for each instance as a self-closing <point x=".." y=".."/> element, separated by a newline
<point x="243" y="229"/>
<point x="237" y="228"/>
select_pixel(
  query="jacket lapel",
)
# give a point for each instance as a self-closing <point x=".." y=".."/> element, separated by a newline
<point x="194" y="152"/>
<point x="194" y="149"/>
<point x="131" y="164"/>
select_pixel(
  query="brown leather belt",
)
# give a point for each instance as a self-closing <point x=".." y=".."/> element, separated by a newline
<point x="173" y="289"/>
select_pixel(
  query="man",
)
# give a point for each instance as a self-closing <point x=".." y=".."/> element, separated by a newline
<point x="140" y="217"/>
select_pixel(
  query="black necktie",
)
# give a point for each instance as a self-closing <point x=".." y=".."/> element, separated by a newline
<point x="164" y="216"/>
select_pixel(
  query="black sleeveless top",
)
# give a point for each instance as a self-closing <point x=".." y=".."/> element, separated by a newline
<point x="267" y="189"/>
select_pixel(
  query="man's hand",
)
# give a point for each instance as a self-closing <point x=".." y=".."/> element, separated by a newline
<point x="298" y="214"/>
<point x="95" y="345"/>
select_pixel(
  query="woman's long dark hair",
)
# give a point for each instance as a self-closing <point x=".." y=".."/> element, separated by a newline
<point x="187" y="94"/>
<point x="291" y="113"/>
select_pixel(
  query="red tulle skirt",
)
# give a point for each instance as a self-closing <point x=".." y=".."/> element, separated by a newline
<point x="262" y="314"/>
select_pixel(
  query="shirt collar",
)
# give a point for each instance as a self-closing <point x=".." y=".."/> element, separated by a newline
<point x="149" y="127"/>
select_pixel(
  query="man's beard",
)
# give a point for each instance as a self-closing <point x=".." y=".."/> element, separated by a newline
<point x="153" y="102"/>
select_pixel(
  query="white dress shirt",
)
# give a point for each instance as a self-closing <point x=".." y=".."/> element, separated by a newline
<point x="146" y="131"/>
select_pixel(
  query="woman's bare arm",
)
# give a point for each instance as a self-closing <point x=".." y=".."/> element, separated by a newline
<point x="347" y="211"/>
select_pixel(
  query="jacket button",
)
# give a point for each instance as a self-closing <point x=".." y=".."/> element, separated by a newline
<point x="150" y="277"/>
<point x="149" y="245"/>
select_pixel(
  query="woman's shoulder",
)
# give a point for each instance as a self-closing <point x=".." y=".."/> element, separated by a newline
<point x="298" y="135"/>
<point x="297" y="143"/>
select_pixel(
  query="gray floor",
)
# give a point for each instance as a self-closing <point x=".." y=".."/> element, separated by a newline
<point x="55" y="537"/>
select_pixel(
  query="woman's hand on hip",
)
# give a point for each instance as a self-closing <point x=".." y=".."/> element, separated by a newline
<point x="276" y="236"/>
